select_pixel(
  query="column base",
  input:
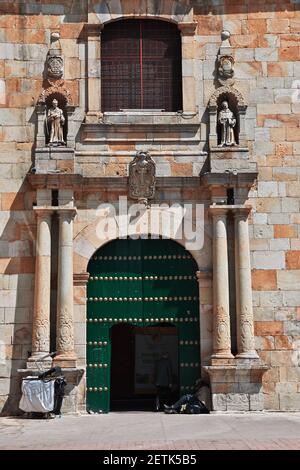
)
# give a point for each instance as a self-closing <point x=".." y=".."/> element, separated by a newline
<point x="36" y="361"/>
<point x="65" y="360"/>
<point x="222" y="355"/>
<point x="247" y="355"/>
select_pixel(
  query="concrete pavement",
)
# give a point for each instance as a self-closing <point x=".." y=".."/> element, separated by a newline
<point x="144" y="430"/>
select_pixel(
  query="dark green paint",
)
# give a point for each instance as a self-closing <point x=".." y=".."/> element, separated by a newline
<point x="106" y="262"/>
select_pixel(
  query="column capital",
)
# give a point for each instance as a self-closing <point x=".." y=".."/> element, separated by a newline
<point x="218" y="211"/>
<point x="43" y="211"/>
<point x="241" y="211"/>
<point x="187" y="29"/>
<point x="67" y="213"/>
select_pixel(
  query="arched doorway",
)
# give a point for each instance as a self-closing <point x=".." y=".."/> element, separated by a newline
<point x="144" y="283"/>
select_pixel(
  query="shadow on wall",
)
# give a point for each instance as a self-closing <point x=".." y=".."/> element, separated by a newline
<point x="18" y="264"/>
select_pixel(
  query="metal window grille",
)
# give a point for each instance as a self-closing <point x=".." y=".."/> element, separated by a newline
<point x="141" y="66"/>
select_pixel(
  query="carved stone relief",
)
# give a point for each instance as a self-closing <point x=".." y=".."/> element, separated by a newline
<point x="142" y="177"/>
<point x="65" y="336"/>
<point x="226" y="70"/>
<point x="55" y="66"/>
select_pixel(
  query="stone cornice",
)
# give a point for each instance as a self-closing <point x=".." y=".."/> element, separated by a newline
<point x="80" y="183"/>
<point x="223" y="209"/>
<point x="240" y="179"/>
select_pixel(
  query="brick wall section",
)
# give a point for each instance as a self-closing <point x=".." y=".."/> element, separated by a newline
<point x="266" y="41"/>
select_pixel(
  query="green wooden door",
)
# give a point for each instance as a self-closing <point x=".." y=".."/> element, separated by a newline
<point x="144" y="283"/>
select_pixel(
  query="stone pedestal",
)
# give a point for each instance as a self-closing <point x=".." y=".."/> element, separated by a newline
<point x="221" y="322"/>
<point x="233" y="159"/>
<point x="237" y="386"/>
<point x="66" y="356"/>
<point x="54" y="160"/>
<point x="41" y="312"/>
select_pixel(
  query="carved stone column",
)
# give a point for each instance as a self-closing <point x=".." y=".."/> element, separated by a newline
<point x="41" y="312"/>
<point x="245" y="328"/>
<point x="65" y="327"/>
<point x="221" y="319"/>
<point x="204" y="278"/>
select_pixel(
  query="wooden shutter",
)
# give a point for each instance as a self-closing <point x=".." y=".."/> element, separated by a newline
<point x="141" y="66"/>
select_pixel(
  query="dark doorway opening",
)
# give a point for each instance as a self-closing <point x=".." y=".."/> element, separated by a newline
<point x="137" y="357"/>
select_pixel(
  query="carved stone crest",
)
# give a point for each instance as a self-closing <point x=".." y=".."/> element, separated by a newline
<point x="55" y="66"/>
<point x="142" y="177"/>
<point x="226" y="70"/>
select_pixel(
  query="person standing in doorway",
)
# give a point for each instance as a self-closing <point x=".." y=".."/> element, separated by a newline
<point x="163" y="379"/>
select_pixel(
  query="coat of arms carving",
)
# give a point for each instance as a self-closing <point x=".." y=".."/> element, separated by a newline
<point x="226" y="70"/>
<point x="55" y="66"/>
<point x="142" y="177"/>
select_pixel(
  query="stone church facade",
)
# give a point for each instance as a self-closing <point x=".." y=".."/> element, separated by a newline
<point x="243" y="170"/>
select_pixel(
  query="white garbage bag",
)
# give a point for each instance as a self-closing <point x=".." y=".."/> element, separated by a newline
<point x="37" y="396"/>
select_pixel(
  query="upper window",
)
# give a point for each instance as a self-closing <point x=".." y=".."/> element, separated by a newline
<point x="141" y="66"/>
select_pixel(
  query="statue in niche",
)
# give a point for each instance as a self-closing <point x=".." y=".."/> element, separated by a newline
<point x="227" y="122"/>
<point x="55" y="121"/>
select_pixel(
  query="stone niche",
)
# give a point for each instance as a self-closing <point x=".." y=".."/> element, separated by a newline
<point x="235" y="157"/>
<point x="54" y="158"/>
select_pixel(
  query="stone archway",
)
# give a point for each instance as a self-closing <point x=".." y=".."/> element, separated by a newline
<point x="87" y="242"/>
<point x="170" y="10"/>
<point x="145" y="283"/>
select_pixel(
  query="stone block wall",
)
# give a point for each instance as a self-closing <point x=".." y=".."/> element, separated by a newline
<point x="266" y="46"/>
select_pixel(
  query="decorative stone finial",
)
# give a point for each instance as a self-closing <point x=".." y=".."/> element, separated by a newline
<point x="225" y="71"/>
<point x="225" y="35"/>
<point x="55" y="64"/>
<point x="55" y="36"/>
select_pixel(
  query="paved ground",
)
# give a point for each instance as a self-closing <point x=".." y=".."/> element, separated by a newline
<point x="143" y="430"/>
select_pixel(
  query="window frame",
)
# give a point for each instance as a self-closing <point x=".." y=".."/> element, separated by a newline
<point x="94" y="108"/>
<point x="149" y="74"/>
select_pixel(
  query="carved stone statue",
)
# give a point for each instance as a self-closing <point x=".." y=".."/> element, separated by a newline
<point x="55" y="122"/>
<point x="227" y="122"/>
<point x="142" y="177"/>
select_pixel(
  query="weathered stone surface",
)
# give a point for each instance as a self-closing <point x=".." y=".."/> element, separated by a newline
<point x="264" y="279"/>
<point x="268" y="260"/>
<point x="265" y="45"/>
<point x="268" y="328"/>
